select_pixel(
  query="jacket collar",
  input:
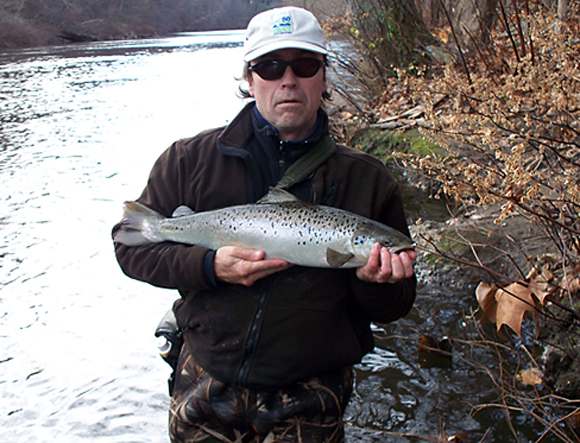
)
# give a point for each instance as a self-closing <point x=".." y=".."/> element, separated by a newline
<point x="238" y="133"/>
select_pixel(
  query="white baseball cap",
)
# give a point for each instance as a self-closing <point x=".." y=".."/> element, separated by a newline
<point x="283" y="28"/>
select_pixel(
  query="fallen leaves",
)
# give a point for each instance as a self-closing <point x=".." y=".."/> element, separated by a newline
<point x="507" y="305"/>
<point x="530" y="377"/>
<point x="434" y="353"/>
<point x="513" y="302"/>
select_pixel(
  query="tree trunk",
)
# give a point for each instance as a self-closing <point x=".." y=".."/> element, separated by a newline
<point x="562" y="9"/>
<point x="469" y="17"/>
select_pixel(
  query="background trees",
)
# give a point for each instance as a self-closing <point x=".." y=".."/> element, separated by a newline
<point x="34" y="22"/>
<point x="29" y="22"/>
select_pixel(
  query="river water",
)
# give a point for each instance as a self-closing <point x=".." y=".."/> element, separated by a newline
<point x="80" y="129"/>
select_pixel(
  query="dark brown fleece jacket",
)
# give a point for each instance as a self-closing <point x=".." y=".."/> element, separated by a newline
<point x="293" y="324"/>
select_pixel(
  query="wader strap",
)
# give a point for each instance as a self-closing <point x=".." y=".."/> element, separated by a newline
<point x="302" y="168"/>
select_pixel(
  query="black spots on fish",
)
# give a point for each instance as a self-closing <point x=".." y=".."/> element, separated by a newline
<point x="303" y="240"/>
<point x="176" y="227"/>
<point x="311" y="236"/>
<point x="360" y="240"/>
<point x="300" y="217"/>
<point x="233" y="224"/>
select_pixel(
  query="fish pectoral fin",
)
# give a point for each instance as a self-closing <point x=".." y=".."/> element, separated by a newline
<point x="277" y="195"/>
<point x="337" y="259"/>
<point x="182" y="211"/>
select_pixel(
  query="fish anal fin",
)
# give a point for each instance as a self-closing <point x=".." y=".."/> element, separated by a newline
<point x="182" y="211"/>
<point x="277" y="195"/>
<point x="337" y="259"/>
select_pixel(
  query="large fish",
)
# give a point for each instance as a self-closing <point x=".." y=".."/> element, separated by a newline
<point x="280" y="225"/>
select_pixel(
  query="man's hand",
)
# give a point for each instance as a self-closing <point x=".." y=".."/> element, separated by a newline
<point x="384" y="267"/>
<point x="244" y="266"/>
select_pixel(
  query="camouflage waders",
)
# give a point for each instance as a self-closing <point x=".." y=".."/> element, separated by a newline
<point x="206" y="410"/>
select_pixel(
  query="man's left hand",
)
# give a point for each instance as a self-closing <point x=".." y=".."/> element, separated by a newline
<point x="384" y="267"/>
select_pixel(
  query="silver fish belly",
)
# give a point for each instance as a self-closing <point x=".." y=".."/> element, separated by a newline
<point x="280" y="225"/>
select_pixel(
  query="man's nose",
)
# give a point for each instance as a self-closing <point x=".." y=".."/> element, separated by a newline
<point x="289" y="78"/>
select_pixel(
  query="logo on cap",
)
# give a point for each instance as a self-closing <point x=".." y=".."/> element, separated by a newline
<point x="282" y="24"/>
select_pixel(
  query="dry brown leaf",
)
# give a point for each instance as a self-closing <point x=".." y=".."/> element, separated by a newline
<point x="530" y="377"/>
<point x="512" y="304"/>
<point x="486" y="298"/>
<point x="539" y="284"/>
<point x="571" y="284"/>
<point x="428" y="343"/>
<point x="507" y="304"/>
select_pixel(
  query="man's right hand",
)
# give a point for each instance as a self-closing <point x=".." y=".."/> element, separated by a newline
<point x="241" y="266"/>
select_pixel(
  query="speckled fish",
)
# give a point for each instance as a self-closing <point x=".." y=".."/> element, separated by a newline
<point x="280" y="225"/>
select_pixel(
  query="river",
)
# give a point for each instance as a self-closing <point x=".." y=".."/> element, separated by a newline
<point x="80" y="129"/>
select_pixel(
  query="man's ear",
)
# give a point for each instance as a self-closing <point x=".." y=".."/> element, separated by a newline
<point x="250" y="84"/>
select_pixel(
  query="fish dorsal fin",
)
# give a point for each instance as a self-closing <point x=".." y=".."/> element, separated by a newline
<point x="182" y="211"/>
<point x="277" y="195"/>
<point x="336" y="259"/>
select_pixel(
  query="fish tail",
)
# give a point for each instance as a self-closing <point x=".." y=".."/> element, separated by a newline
<point x="136" y="225"/>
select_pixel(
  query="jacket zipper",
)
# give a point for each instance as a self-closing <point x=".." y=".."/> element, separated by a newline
<point x="242" y="375"/>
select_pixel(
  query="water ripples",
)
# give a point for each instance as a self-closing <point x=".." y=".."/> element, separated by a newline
<point x="80" y="130"/>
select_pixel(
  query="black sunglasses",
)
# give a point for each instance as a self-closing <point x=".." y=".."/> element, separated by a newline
<point x="275" y="69"/>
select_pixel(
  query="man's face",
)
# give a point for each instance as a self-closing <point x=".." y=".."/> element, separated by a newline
<point x="289" y="103"/>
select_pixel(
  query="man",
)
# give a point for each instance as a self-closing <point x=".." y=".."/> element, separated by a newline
<point x="269" y="347"/>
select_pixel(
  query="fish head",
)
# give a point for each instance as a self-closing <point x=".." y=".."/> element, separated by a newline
<point x="364" y="239"/>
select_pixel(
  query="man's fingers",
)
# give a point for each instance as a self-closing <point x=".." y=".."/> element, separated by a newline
<point x="244" y="266"/>
<point x="269" y="267"/>
<point x="384" y="267"/>
<point x="408" y="263"/>
<point x="244" y="254"/>
<point x="401" y="267"/>
<point x="374" y="257"/>
<point x="254" y="271"/>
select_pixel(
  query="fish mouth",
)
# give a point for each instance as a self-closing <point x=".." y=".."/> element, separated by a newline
<point x="401" y="249"/>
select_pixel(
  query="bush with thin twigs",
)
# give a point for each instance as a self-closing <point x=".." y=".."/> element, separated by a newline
<point x="510" y="121"/>
<point x="508" y="118"/>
